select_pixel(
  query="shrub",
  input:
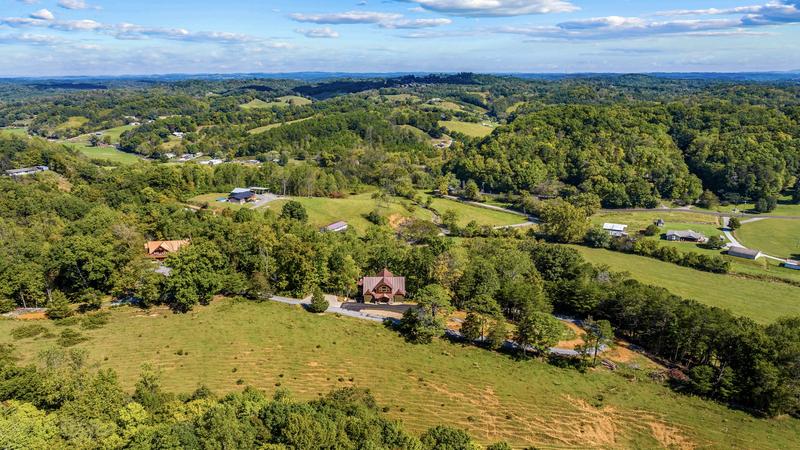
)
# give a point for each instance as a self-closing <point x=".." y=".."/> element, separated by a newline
<point x="651" y="230"/>
<point x="70" y="337"/>
<point x="596" y="237"/>
<point x="318" y="302"/>
<point x="95" y="321"/>
<point x="375" y="217"/>
<point x="294" y="210"/>
<point x="58" y="307"/>
<point x="6" y="305"/>
<point x="734" y="223"/>
<point x="28" y="331"/>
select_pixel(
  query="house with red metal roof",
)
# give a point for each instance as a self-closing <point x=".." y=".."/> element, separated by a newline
<point x="384" y="287"/>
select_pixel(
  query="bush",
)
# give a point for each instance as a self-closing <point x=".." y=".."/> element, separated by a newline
<point x="294" y="210"/>
<point x="95" y="321"/>
<point x="70" y="337"/>
<point x="651" y="230"/>
<point x="28" y="331"/>
<point x="58" y="307"/>
<point x="375" y="217"/>
<point x="7" y="305"/>
<point x="596" y="237"/>
<point x="318" y="302"/>
<point x="734" y="223"/>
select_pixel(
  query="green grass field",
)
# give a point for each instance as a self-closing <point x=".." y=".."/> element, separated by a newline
<point x="763" y="301"/>
<point x="73" y="122"/>
<point x="785" y="208"/>
<point x="494" y="397"/>
<point x="22" y="132"/>
<point x="467" y="213"/>
<point x="105" y="153"/>
<point x="468" y="128"/>
<point x="324" y="211"/>
<point x="288" y="100"/>
<point x="775" y="237"/>
<point x="274" y="125"/>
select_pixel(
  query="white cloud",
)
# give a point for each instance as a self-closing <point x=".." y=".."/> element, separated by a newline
<point x="495" y="8"/>
<point x="74" y="4"/>
<point x="318" y="33"/>
<point x="43" y="14"/>
<point x="30" y="39"/>
<point x="384" y="20"/>
<point x="416" y="23"/>
<point x="349" y="17"/>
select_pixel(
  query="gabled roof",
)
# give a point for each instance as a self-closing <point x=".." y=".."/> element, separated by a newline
<point x="743" y="252"/>
<point x="686" y="234"/>
<point x="370" y="284"/>
<point x="241" y="194"/>
<point x="168" y="246"/>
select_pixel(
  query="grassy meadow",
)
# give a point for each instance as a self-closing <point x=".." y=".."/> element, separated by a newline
<point x="762" y="301"/>
<point x="468" y="128"/>
<point x="274" y="125"/>
<point x="775" y="237"/>
<point x="467" y="213"/>
<point x="105" y="153"/>
<point x="288" y="100"/>
<point x="324" y="211"/>
<point x="15" y="131"/>
<point x="493" y="396"/>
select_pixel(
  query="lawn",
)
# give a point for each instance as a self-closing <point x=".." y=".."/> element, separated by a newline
<point x="775" y="237"/>
<point x="494" y="397"/>
<point x="763" y="301"/>
<point x="468" y="128"/>
<point x="324" y="211"/>
<point x="637" y="221"/>
<point x="467" y="213"/>
<point x="73" y="122"/>
<point x="288" y="100"/>
<point x="22" y="132"/>
<point x="274" y="125"/>
<point x="785" y="208"/>
<point x="105" y="153"/>
<point x="113" y="133"/>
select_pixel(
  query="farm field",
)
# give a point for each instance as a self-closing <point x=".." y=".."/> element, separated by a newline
<point x="493" y="396"/>
<point x="324" y="211"/>
<point x="775" y="237"/>
<point x="105" y="153"/>
<point x="467" y="128"/>
<point x="639" y="220"/>
<point x="762" y="301"/>
<point x="113" y="133"/>
<point x="467" y="213"/>
<point x="274" y="125"/>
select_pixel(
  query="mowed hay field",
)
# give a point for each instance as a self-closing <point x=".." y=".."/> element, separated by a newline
<point x="762" y="301"/>
<point x="324" y="211"/>
<point x="493" y="396"/>
<point x="467" y="128"/>
<point x="274" y="125"/>
<point x="775" y="237"/>
<point x="483" y="216"/>
<point x="21" y="132"/>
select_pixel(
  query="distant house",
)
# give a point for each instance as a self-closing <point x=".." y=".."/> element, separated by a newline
<point x="615" y="229"/>
<point x="686" y="236"/>
<point x="384" y="287"/>
<point x="791" y="264"/>
<point x="336" y="227"/>
<point x="25" y="171"/>
<point x="169" y="155"/>
<point x="161" y="249"/>
<point x="241" y="196"/>
<point x="178" y="134"/>
<point x="741" y="252"/>
<point x="212" y="162"/>
<point x="659" y="223"/>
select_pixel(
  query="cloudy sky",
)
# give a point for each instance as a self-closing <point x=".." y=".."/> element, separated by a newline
<point x="113" y="37"/>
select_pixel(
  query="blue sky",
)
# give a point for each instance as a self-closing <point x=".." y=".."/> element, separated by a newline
<point x="105" y="37"/>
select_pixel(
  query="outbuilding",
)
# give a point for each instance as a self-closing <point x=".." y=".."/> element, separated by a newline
<point x="615" y="229"/>
<point x="746" y="253"/>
